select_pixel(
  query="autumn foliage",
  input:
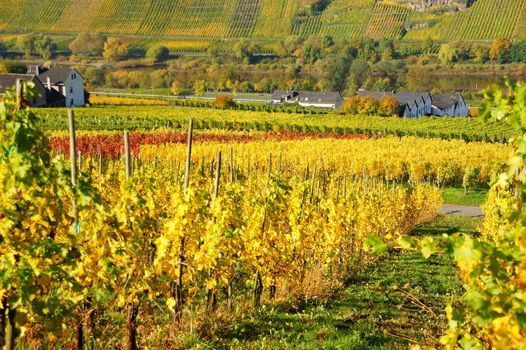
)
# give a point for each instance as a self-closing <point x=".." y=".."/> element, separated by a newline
<point x="389" y="107"/>
<point x="224" y="101"/>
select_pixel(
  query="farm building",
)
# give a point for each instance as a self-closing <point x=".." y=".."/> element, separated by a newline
<point x="316" y="99"/>
<point x="66" y="81"/>
<point x="9" y="80"/>
<point x="57" y="87"/>
<point x="451" y="105"/>
<point x="281" y="96"/>
<point x="416" y="104"/>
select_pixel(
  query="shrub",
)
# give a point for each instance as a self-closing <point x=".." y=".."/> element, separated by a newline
<point x="368" y="105"/>
<point x="351" y="105"/>
<point x="158" y="53"/>
<point x="389" y="107"/>
<point x="224" y="101"/>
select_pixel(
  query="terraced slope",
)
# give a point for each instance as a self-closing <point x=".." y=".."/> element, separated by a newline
<point x="264" y="19"/>
<point x="485" y="20"/>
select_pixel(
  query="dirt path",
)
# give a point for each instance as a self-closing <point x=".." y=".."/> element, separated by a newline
<point x="462" y="210"/>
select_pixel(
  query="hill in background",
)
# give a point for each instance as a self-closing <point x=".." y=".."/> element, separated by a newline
<point x="441" y="20"/>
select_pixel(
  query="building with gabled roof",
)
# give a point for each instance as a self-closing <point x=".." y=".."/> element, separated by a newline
<point x="320" y="99"/>
<point x="449" y="104"/>
<point x="412" y="104"/>
<point x="8" y="81"/>
<point x="66" y="81"/>
<point x="284" y="96"/>
<point x="316" y="99"/>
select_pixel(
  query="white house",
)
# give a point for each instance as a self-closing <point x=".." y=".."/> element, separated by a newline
<point x="281" y="96"/>
<point x="320" y="99"/>
<point x="66" y="81"/>
<point x="317" y="99"/>
<point x="449" y="105"/>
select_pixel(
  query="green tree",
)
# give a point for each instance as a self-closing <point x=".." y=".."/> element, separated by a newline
<point x="44" y="46"/>
<point x="518" y="51"/>
<point x="358" y="72"/>
<point x="293" y="43"/>
<point x="26" y="43"/>
<point x="447" y="54"/>
<point x="334" y="70"/>
<point x="213" y="53"/>
<point x="500" y="50"/>
<point x="481" y="53"/>
<point x="114" y="50"/>
<point x="93" y="76"/>
<point x="91" y="44"/>
<point x="244" y="50"/>
<point x="39" y="44"/>
<point x="15" y="67"/>
<point x="158" y="53"/>
<point x="280" y="50"/>
<point x="199" y="87"/>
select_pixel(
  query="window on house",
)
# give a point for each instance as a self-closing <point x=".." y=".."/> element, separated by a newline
<point x="71" y="102"/>
<point x="71" y="90"/>
<point x="74" y="76"/>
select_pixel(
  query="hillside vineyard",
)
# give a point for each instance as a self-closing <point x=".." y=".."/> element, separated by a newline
<point x="265" y="19"/>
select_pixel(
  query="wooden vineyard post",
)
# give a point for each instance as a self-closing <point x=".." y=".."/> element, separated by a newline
<point x="218" y="175"/>
<point x="132" y="309"/>
<point x="19" y="94"/>
<point x="258" y="290"/>
<point x="231" y="166"/>
<point x="132" y="312"/>
<point x="179" y="285"/>
<point x="79" y="159"/>
<point x="100" y="161"/>
<point x="188" y="155"/>
<point x="76" y="228"/>
<point x="269" y="165"/>
<point x="312" y="183"/>
<point x="73" y="162"/>
<point x="127" y="157"/>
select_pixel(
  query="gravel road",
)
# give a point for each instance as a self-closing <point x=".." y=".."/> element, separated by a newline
<point x="462" y="210"/>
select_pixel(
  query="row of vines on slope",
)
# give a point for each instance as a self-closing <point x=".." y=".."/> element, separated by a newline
<point x="147" y="243"/>
<point x="141" y="118"/>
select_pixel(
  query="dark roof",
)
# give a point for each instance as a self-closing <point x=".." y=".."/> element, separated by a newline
<point x="320" y="96"/>
<point x="444" y="101"/>
<point x="409" y="97"/>
<point x="9" y="80"/>
<point x="57" y="75"/>
<point x="404" y="98"/>
<point x="378" y="95"/>
<point x="279" y="94"/>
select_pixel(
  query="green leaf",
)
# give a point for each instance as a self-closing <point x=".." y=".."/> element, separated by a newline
<point x="376" y="245"/>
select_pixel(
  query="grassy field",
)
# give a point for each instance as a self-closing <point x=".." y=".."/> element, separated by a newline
<point x="398" y="301"/>
<point x="474" y="197"/>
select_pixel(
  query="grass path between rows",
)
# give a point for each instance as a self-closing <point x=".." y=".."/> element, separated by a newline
<point x="396" y="301"/>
